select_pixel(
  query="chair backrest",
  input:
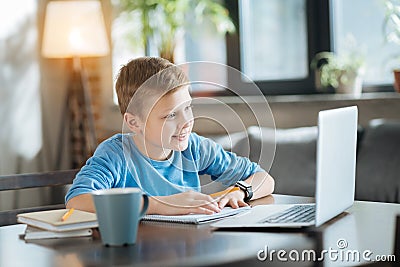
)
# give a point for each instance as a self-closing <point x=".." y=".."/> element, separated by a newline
<point x="33" y="180"/>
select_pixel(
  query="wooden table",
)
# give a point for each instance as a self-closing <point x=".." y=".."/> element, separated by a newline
<point x="365" y="226"/>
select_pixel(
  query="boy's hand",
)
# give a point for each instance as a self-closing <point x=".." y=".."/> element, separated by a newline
<point x="233" y="199"/>
<point x="184" y="203"/>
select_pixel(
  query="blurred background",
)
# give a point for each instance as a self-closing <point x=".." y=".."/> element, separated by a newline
<point x="59" y="62"/>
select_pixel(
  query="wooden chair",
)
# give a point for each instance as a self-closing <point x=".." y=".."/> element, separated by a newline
<point x="34" y="180"/>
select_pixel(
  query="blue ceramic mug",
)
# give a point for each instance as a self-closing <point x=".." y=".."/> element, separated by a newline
<point x="119" y="211"/>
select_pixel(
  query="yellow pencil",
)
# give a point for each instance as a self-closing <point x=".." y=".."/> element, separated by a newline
<point x="224" y="192"/>
<point x="67" y="214"/>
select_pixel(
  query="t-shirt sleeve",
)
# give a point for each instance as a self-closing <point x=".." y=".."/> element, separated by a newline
<point x="223" y="166"/>
<point x="101" y="171"/>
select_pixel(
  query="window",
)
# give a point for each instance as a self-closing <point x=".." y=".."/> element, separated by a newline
<point x="363" y="20"/>
<point x="200" y="43"/>
<point x="273" y="39"/>
<point x="277" y="40"/>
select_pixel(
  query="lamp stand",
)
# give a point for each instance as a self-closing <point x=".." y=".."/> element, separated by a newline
<point x="78" y="116"/>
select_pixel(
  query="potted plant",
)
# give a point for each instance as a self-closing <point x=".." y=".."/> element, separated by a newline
<point x="344" y="73"/>
<point x="162" y="20"/>
<point x="391" y="29"/>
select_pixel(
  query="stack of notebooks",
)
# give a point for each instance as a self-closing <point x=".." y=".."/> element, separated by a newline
<point x="49" y="224"/>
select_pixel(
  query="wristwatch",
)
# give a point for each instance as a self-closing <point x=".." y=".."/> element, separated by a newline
<point x="246" y="188"/>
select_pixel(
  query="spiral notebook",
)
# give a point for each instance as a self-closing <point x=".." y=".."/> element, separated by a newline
<point x="196" y="218"/>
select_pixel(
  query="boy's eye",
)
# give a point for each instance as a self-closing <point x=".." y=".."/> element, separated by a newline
<point x="170" y="116"/>
<point x="173" y="114"/>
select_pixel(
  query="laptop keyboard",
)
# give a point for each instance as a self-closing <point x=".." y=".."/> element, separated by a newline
<point x="295" y="214"/>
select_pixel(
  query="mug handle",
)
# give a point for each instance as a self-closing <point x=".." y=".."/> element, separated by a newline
<point x="145" y="205"/>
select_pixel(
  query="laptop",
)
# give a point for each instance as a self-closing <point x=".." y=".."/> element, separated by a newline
<point x="335" y="179"/>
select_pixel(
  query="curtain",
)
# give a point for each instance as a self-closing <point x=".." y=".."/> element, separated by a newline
<point x="20" y="107"/>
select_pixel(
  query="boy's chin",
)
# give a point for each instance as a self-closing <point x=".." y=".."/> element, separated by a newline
<point x="181" y="146"/>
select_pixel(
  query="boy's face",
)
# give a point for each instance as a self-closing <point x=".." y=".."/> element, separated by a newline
<point x="168" y="124"/>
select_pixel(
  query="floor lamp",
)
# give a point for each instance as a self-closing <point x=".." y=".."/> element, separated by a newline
<point x="74" y="30"/>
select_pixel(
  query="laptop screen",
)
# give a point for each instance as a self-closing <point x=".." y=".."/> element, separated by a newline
<point x="336" y="162"/>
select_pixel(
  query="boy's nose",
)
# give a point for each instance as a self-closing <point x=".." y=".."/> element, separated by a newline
<point x="185" y="122"/>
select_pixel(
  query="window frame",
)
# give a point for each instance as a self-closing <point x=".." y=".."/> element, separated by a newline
<point x="319" y="38"/>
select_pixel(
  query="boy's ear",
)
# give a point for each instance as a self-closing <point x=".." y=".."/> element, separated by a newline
<point x="133" y="122"/>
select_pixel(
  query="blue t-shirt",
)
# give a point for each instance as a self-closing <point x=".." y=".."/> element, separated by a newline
<point x="118" y="163"/>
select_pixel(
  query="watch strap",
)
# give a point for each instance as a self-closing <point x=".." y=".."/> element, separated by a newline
<point x="247" y="189"/>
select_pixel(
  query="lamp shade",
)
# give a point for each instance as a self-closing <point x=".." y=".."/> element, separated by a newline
<point x="74" y="28"/>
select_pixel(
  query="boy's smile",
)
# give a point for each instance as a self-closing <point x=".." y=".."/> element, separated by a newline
<point x="167" y="126"/>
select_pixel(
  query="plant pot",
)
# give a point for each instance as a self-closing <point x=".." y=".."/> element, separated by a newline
<point x="350" y="83"/>
<point x="396" y="85"/>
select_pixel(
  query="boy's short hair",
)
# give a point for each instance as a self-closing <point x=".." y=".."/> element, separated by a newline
<point x="153" y="75"/>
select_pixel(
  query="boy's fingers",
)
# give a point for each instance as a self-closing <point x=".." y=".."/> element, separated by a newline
<point x="222" y="203"/>
<point x="241" y="203"/>
<point x="203" y="199"/>
<point x="212" y="203"/>
<point x="212" y="207"/>
<point x="209" y="198"/>
<point x="208" y="205"/>
<point x="233" y="203"/>
<point x="202" y="210"/>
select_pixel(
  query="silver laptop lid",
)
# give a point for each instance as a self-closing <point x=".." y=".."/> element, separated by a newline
<point x="336" y="162"/>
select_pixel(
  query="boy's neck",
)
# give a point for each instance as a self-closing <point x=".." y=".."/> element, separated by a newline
<point x="150" y="151"/>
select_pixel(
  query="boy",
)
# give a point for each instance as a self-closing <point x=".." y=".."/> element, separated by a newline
<point x="162" y="156"/>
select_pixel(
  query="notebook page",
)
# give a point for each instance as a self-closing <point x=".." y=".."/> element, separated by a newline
<point x="196" y="218"/>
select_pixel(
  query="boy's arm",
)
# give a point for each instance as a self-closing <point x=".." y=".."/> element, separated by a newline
<point x="182" y="203"/>
<point x="263" y="184"/>
<point x="82" y="202"/>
